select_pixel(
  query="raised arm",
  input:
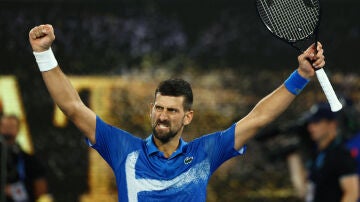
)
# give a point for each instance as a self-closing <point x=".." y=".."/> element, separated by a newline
<point x="59" y="87"/>
<point x="271" y="106"/>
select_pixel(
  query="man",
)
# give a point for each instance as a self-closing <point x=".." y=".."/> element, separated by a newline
<point x="163" y="167"/>
<point x="332" y="172"/>
<point x="25" y="177"/>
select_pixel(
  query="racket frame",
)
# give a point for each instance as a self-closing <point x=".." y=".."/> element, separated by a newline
<point x="328" y="90"/>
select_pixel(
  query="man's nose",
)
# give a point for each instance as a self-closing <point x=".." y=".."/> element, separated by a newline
<point x="163" y="115"/>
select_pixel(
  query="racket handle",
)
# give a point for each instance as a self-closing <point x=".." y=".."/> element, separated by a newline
<point x="334" y="102"/>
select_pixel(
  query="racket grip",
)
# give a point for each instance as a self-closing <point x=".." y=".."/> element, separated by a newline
<point x="334" y="102"/>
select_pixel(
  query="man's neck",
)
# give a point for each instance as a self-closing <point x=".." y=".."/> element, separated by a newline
<point x="169" y="147"/>
<point x="326" y="142"/>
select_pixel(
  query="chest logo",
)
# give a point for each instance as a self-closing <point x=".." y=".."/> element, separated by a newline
<point x="188" y="160"/>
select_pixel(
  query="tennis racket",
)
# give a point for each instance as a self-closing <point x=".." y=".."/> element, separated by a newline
<point x="296" y="22"/>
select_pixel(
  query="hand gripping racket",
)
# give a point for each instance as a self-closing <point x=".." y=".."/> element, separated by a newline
<point x="296" y="21"/>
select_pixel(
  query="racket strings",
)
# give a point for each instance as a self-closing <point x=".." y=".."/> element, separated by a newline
<point x="289" y="19"/>
<point x="296" y="11"/>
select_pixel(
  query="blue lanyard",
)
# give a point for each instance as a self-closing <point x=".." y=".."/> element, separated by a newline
<point x="320" y="160"/>
<point x="21" y="168"/>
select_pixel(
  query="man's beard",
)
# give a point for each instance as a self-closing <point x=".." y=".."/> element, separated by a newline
<point x="164" y="137"/>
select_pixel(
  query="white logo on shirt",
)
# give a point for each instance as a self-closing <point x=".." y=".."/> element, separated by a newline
<point x="188" y="159"/>
<point x="200" y="171"/>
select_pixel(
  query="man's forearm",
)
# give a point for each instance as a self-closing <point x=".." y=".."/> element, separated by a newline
<point x="263" y="113"/>
<point x="271" y="106"/>
<point x="61" y="90"/>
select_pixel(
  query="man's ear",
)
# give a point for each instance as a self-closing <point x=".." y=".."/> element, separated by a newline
<point x="188" y="117"/>
<point x="151" y="105"/>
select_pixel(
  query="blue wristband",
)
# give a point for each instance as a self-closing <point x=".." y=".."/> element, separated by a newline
<point x="295" y="83"/>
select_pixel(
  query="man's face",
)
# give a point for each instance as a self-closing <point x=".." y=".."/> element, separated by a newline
<point x="168" y="117"/>
<point x="321" y="129"/>
<point x="9" y="127"/>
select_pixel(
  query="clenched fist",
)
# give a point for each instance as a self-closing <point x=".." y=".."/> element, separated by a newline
<point x="311" y="60"/>
<point x="41" y="37"/>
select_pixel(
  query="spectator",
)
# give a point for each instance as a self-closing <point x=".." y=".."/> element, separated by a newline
<point x="332" y="172"/>
<point x="25" y="176"/>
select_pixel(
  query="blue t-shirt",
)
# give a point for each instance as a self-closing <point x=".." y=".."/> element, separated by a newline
<point x="354" y="146"/>
<point x="143" y="173"/>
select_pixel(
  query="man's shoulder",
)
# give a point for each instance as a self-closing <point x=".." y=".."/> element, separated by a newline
<point x="341" y="154"/>
<point x="205" y="142"/>
<point x="114" y="131"/>
<point x="214" y="136"/>
<point x="341" y="149"/>
<point x="203" y="138"/>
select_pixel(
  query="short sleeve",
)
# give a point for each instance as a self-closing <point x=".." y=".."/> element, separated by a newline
<point x="347" y="164"/>
<point x="219" y="146"/>
<point x="112" y="143"/>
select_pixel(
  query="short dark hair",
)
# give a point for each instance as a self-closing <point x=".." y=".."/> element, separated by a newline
<point x="176" y="87"/>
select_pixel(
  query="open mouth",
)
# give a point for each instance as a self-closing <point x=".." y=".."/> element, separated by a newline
<point x="161" y="125"/>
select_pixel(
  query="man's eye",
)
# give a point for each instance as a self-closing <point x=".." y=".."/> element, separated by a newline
<point x="158" y="108"/>
<point x="172" y="110"/>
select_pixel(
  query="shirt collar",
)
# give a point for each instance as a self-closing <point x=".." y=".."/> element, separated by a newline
<point x="152" y="148"/>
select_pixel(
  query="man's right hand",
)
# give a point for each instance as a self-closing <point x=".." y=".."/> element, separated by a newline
<point x="41" y="37"/>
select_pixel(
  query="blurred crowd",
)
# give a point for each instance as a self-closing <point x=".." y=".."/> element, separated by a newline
<point x="118" y="35"/>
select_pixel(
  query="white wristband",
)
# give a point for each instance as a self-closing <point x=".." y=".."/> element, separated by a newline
<point x="46" y="60"/>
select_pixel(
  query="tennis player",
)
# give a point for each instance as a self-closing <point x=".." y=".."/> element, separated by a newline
<point x="163" y="167"/>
